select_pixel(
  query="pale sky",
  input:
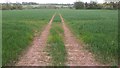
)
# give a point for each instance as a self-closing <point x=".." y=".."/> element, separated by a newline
<point x="49" y="1"/>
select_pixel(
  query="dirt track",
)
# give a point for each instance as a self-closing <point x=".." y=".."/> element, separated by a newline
<point x="36" y="56"/>
<point x="76" y="55"/>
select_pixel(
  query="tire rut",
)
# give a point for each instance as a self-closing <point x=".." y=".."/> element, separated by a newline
<point x="35" y="55"/>
<point x="76" y="54"/>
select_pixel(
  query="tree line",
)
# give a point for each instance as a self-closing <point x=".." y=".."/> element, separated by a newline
<point x="14" y="6"/>
<point x="77" y="5"/>
<point x="95" y="5"/>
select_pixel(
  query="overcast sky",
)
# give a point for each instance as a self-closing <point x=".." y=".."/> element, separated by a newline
<point x="49" y="1"/>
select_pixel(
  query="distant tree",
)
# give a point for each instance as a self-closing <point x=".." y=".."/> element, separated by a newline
<point x="0" y="7"/>
<point x="11" y="6"/>
<point x="111" y="5"/>
<point x="93" y="5"/>
<point x="6" y="6"/>
<point x="114" y="5"/>
<point x="119" y="5"/>
<point x="79" y="5"/>
<point x="19" y="7"/>
<point x="86" y="5"/>
<point x="99" y="6"/>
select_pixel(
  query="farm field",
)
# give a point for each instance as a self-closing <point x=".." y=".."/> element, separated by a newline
<point x="96" y="28"/>
<point x="19" y="28"/>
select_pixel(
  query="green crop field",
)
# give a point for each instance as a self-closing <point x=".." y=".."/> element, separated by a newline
<point x="19" y="27"/>
<point x="98" y="29"/>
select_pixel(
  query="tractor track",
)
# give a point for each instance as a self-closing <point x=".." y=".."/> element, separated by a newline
<point x="76" y="54"/>
<point x="35" y="55"/>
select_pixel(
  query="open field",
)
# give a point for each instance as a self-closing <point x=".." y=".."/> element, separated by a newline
<point x="96" y="28"/>
<point x="19" y="27"/>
